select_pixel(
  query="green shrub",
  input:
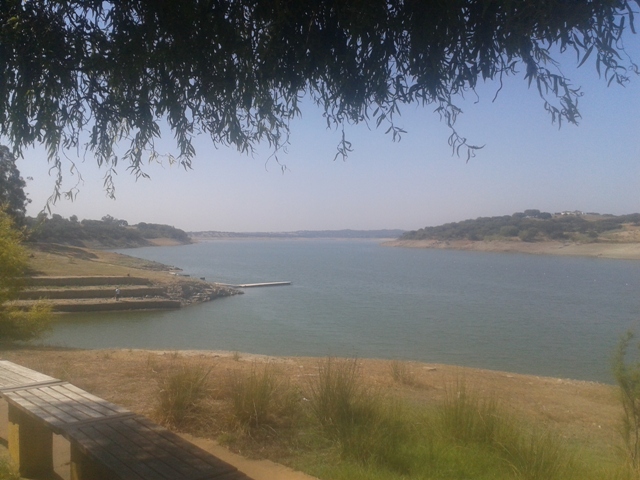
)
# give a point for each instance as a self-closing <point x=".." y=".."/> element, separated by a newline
<point x="509" y="231"/>
<point x="17" y="324"/>
<point x="627" y="376"/>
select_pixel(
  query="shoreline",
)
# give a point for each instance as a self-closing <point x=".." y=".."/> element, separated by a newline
<point x="619" y="251"/>
<point x="296" y="359"/>
<point x="614" y="251"/>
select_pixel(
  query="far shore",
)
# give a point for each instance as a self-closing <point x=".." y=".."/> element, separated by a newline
<point x="624" y="251"/>
<point x="621" y="251"/>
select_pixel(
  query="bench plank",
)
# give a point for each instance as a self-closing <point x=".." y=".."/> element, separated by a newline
<point x="134" y="440"/>
<point x="13" y="375"/>
<point x="132" y="454"/>
<point x="89" y="404"/>
<point x="61" y="404"/>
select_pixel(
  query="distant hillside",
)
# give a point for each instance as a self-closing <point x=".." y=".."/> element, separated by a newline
<point x="537" y="226"/>
<point x="362" y="234"/>
<point x="106" y="233"/>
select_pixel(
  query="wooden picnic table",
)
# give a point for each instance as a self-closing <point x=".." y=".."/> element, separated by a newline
<point x="107" y="441"/>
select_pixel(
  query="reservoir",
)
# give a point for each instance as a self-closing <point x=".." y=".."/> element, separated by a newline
<point x="542" y="315"/>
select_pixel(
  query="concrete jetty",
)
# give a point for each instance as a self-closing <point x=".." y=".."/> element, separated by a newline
<point x="252" y="285"/>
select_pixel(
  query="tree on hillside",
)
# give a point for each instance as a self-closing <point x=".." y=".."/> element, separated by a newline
<point x="98" y="73"/>
<point x="13" y="200"/>
<point x="16" y="324"/>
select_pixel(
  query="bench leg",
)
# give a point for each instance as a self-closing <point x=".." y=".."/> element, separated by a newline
<point x="30" y="445"/>
<point x="83" y="468"/>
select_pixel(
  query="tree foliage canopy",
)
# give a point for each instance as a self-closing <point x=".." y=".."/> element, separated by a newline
<point x="529" y="226"/>
<point x="13" y="199"/>
<point x="94" y="73"/>
<point x="109" y="232"/>
<point x="16" y="324"/>
<point x="13" y="259"/>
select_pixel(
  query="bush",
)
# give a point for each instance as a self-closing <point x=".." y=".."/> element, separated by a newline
<point x="627" y="376"/>
<point x="509" y="231"/>
<point x="528" y="235"/>
<point x="16" y="324"/>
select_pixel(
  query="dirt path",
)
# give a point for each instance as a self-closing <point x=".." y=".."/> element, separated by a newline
<point x="256" y="469"/>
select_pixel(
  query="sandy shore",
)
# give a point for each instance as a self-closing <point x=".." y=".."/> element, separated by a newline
<point x="627" y="251"/>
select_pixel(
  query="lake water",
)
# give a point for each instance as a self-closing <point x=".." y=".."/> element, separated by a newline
<point x="543" y="315"/>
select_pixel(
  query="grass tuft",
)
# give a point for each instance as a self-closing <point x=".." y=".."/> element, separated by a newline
<point x="367" y="427"/>
<point x="467" y="418"/>
<point x="401" y="374"/>
<point x="260" y="398"/>
<point x="181" y="390"/>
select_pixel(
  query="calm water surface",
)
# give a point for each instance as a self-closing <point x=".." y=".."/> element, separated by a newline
<point x="558" y="316"/>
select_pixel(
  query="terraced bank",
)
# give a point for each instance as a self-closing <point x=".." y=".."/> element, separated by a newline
<point x="91" y="294"/>
<point x="94" y="277"/>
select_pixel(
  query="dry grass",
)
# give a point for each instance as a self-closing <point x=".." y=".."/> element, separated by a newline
<point x="183" y="389"/>
<point x="402" y="373"/>
<point x="58" y="260"/>
<point x="271" y="392"/>
<point x="585" y="412"/>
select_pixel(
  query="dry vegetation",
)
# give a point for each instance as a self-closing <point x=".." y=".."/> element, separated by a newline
<point x="61" y="260"/>
<point x="219" y="400"/>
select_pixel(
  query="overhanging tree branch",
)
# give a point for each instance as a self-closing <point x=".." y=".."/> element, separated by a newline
<point x="100" y="74"/>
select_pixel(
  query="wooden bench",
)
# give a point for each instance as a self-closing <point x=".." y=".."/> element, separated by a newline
<point x="107" y="441"/>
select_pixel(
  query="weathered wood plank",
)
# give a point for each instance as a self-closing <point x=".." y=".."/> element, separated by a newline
<point x="35" y="400"/>
<point x="13" y="375"/>
<point x="166" y="454"/>
<point x="62" y="404"/>
<point x="35" y="411"/>
<point x="123" y="434"/>
<point x="85" y="402"/>
<point x="86" y="443"/>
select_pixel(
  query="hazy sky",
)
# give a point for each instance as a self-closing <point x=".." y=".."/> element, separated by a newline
<point x="527" y="163"/>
